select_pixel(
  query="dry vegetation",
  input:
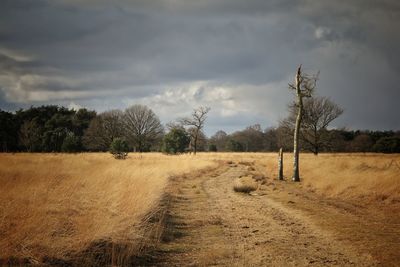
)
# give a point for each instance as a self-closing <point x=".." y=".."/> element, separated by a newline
<point x="56" y="206"/>
<point x="244" y="184"/>
<point x="346" y="176"/>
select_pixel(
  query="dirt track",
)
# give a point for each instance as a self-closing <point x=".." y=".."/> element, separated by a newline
<point x="282" y="224"/>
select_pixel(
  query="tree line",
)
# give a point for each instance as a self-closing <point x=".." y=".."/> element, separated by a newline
<point x="58" y="129"/>
<point x="255" y="139"/>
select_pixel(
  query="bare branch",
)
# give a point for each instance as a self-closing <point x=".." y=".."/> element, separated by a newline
<point x="199" y="116"/>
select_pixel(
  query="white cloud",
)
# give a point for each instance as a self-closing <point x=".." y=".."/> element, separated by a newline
<point x="265" y="104"/>
<point x="322" y="32"/>
<point x="74" y="106"/>
<point x="178" y="101"/>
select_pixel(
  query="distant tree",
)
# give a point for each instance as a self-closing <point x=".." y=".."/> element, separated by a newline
<point x="55" y="130"/>
<point x="270" y="139"/>
<point x="234" y="146"/>
<point x="71" y="143"/>
<point x="219" y="139"/>
<point x="196" y="123"/>
<point x="81" y="120"/>
<point x="388" y="145"/>
<point x="201" y="139"/>
<point x="119" y="148"/>
<point x="40" y="114"/>
<point x="53" y="139"/>
<point x="29" y="136"/>
<point x="337" y="141"/>
<point x="52" y="123"/>
<point x="318" y="113"/>
<point x="304" y="86"/>
<point x="212" y="148"/>
<point x="103" y="129"/>
<point x="176" y="141"/>
<point x="8" y="132"/>
<point x="252" y="138"/>
<point x="284" y="137"/>
<point x="142" y="127"/>
<point x="95" y="138"/>
<point x="361" y="143"/>
<point x="34" y="120"/>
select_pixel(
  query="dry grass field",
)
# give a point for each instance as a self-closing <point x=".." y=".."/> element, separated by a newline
<point x="346" y="176"/>
<point x="58" y="207"/>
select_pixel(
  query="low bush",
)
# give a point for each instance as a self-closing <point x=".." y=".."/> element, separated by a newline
<point x="119" y="148"/>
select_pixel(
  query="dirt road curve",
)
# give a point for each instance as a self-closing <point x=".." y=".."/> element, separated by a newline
<point x="282" y="225"/>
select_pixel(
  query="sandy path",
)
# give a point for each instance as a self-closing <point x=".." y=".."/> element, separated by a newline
<point x="283" y="225"/>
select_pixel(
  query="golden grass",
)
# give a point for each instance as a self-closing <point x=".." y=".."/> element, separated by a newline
<point x="56" y="204"/>
<point x="366" y="176"/>
<point x="245" y="184"/>
<point x="344" y="175"/>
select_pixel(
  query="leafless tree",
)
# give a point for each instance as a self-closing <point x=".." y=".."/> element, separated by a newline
<point x="318" y="113"/>
<point x="196" y="122"/>
<point x="29" y="135"/>
<point x="103" y="129"/>
<point x="201" y="139"/>
<point x="142" y="127"/>
<point x="219" y="139"/>
<point x="303" y="87"/>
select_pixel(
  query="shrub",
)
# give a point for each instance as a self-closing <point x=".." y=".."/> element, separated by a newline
<point x="119" y="148"/>
<point x="176" y="141"/>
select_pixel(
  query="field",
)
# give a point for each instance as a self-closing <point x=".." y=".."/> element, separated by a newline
<point x="154" y="209"/>
<point x="55" y="205"/>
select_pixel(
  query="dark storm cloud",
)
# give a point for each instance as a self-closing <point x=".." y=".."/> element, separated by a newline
<point x="237" y="56"/>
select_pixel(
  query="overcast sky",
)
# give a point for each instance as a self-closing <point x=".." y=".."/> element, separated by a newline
<point x="236" y="56"/>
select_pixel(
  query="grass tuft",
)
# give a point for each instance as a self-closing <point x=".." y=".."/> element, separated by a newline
<point x="245" y="184"/>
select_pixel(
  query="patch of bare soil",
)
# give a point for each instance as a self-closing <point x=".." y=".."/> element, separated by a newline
<point x="280" y="224"/>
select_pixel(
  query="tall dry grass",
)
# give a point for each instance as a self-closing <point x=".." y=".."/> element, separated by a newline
<point x="354" y="176"/>
<point x="343" y="175"/>
<point x="56" y="205"/>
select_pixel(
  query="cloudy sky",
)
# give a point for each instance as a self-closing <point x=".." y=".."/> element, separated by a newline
<point x="236" y="56"/>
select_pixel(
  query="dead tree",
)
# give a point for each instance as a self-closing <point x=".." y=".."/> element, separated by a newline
<point x="280" y="164"/>
<point x="304" y="87"/>
<point x="196" y="122"/>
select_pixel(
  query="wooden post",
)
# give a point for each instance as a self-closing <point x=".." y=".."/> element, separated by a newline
<point x="280" y="164"/>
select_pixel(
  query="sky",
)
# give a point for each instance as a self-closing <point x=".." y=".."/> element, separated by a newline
<point x="235" y="56"/>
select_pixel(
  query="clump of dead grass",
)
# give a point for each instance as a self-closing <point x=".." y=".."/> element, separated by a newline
<point x="245" y="184"/>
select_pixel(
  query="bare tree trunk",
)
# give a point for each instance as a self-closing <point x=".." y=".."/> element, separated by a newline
<point x="195" y="142"/>
<point x="296" y="173"/>
<point x="316" y="141"/>
<point x="280" y="164"/>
